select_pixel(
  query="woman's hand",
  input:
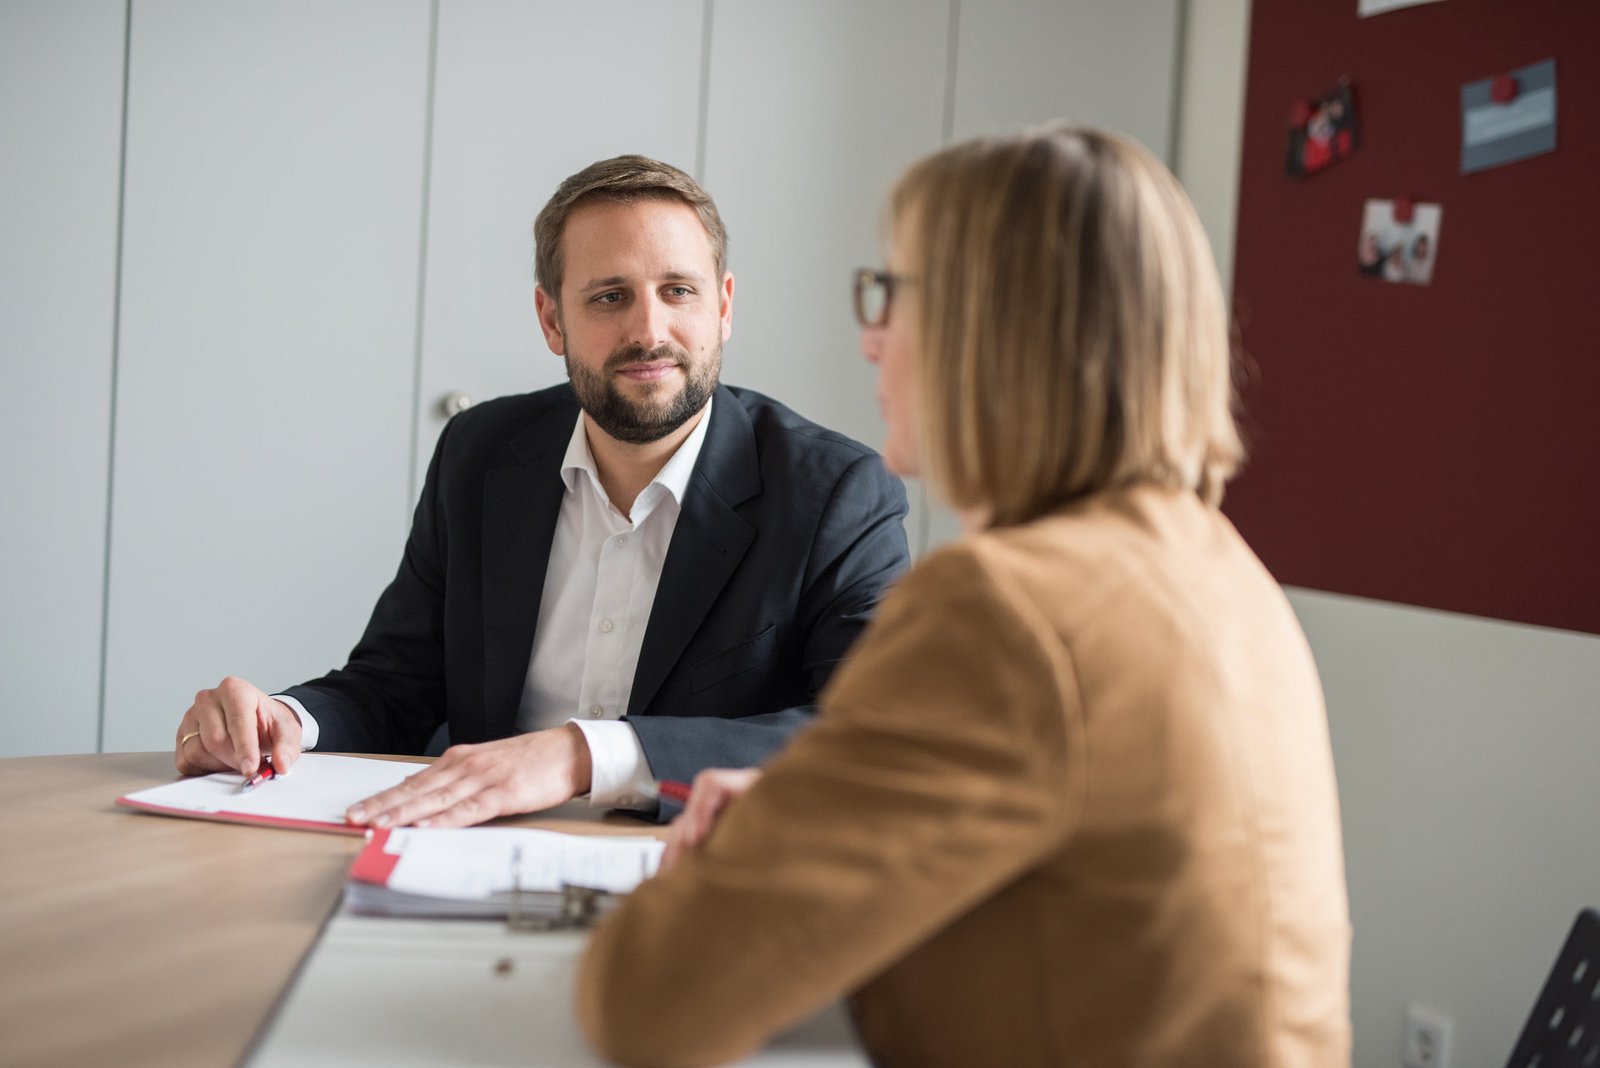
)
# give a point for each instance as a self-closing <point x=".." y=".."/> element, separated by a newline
<point x="713" y="789"/>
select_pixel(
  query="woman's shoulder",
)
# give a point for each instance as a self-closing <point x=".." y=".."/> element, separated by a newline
<point x="1026" y="575"/>
<point x="1085" y="538"/>
<point x="1126" y="546"/>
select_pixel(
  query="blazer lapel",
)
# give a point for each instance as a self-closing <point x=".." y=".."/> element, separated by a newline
<point x="707" y="544"/>
<point x="521" y="502"/>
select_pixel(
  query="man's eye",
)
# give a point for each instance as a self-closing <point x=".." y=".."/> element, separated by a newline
<point x="608" y="298"/>
<point x="679" y="291"/>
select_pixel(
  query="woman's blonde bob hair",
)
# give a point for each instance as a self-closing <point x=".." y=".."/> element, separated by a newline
<point x="1072" y="332"/>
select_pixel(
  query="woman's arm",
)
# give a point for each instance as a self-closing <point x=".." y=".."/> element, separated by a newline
<point x="936" y="773"/>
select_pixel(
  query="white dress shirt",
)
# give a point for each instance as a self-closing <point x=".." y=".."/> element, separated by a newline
<point x="599" y="587"/>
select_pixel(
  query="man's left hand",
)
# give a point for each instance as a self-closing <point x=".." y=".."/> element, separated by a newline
<point x="473" y="783"/>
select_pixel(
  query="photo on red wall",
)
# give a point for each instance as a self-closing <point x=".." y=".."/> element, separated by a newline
<point x="1399" y="241"/>
<point x="1322" y="131"/>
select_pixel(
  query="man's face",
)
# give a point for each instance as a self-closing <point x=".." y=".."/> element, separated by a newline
<point x="642" y="316"/>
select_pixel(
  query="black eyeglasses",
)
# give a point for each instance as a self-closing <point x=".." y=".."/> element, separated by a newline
<point x="874" y="290"/>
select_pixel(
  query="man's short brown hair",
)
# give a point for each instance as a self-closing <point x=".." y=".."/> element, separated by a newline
<point x="1072" y="333"/>
<point x="622" y="180"/>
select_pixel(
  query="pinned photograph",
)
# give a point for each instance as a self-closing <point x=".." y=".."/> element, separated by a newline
<point x="1322" y="131"/>
<point x="1399" y="241"/>
<point x="1508" y="118"/>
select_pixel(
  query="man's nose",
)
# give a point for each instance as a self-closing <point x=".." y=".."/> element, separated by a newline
<point x="648" y="325"/>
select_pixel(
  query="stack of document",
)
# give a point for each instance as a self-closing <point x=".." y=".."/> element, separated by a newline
<point x="493" y="871"/>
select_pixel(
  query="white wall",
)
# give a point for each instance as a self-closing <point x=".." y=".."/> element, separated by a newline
<point x="58" y="253"/>
<point x="799" y="152"/>
<point x="273" y="177"/>
<point x="1465" y="747"/>
<point x="1211" y="117"/>
<point x="1465" y="750"/>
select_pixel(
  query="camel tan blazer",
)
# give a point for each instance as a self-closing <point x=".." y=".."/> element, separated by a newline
<point x="1070" y="801"/>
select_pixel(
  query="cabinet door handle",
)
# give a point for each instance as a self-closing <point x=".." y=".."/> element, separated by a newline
<point x="454" y="403"/>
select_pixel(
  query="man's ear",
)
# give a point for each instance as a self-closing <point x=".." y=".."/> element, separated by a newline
<point x="549" y="310"/>
<point x="726" y="295"/>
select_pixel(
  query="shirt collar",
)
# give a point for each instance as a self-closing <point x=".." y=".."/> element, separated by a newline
<point x="673" y="478"/>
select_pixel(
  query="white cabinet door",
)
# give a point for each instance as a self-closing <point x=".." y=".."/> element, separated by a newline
<point x="1109" y="63"/>
<point x="273" y="206"/>
<point x="813" y="110"/>
<point x="60" y="138"/>
<point x="526" y="93"/>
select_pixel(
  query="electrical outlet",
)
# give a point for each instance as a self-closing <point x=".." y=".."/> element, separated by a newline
<point x="1427" y="1038"/>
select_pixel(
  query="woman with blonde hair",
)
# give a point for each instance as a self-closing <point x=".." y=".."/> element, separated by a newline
<point x="1071" y="799"/>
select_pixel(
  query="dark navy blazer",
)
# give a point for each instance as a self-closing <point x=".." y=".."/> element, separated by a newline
<point x="788" y="536"/>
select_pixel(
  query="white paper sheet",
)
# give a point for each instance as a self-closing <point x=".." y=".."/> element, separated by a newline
<point x="477" y="862"/>
<point x="319" y="788"/>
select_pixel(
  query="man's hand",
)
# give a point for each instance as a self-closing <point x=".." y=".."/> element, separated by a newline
<point x="474" y="783"/>
<point x="228" y="728"/>
<point x="713" y="789"/>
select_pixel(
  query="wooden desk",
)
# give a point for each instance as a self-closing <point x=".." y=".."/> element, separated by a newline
<point x="130" y="939"/>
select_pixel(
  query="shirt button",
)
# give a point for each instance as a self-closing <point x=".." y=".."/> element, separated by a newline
<point x="596" y="712"/>
<point x="622" y="539"/>
<point x="606" y="626"/>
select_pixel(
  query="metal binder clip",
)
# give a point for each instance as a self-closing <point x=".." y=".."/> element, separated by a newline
<point x="579" y="906"/>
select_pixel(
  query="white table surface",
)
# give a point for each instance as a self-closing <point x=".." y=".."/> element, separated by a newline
<point x="404" y="992"/>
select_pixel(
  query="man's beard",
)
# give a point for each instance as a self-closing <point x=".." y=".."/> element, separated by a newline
<point x="641" y="422"/>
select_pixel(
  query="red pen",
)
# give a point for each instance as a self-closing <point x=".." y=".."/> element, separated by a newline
<point x="666" y="788"/>
<point x="262" y="775"/>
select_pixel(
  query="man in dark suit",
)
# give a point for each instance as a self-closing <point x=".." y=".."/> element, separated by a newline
<point x="628" y="578"/>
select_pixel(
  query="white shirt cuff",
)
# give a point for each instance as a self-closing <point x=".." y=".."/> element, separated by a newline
<point x="309" y="731"/>
<point x="621" y="777"/>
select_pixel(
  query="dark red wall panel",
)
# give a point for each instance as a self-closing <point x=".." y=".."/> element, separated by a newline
<point x="1432" y="445"/>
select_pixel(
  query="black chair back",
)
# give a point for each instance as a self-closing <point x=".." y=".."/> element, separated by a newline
<point x="1563" y="1031"/>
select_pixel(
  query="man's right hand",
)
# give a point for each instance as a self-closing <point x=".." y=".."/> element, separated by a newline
<point x="230" y="727"/>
